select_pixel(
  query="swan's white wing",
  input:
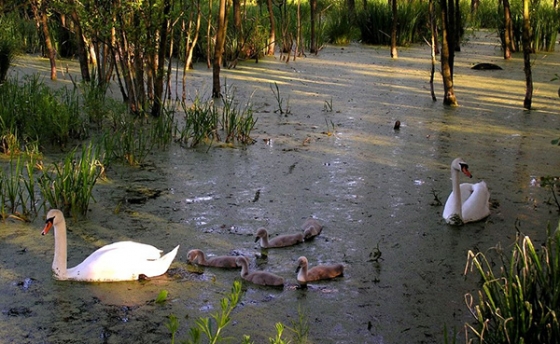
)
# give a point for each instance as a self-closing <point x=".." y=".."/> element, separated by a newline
<point x="122" y="261"/>
<point x="476" y="207"/>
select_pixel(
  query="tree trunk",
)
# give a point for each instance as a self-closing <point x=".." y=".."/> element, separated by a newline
<point x="433" y="46"/>
<point x="40" y="14"/>
<point x="219" y="50"/>
<point x="394" y="53"/>
<point x="351" y="5"/>
<point x="447" y="52"/>
<point x="527" y="56"/>
<point x="208" y="35"/>
<point x="313" y="7"/>
<point x="457" y="26"/>
<point x="507" y="43"/>
<point x="82" y="48"/>
<point x="190" y="44"/>
<point x="474" y="6"/>
<point x="272" y="36"/>
<point x="162" y="51"/>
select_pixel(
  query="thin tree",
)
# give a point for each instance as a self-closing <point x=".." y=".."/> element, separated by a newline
<point x="40" y="13"/>
<point x="219" y="49"/>
<point x="394" y="53"/>
<point x="447" y="51"/>
<point x="272" y="35"/>
<point x="313" y="7"/>
<point x="160" y="63"/>
<point x="82" y="48"/>
<point x="526" y="37"/>
<point x="507" y="42"/>
<point x="433" y="45"/>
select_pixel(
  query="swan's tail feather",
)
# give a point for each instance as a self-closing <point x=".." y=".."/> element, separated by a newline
<point x="161" y="265"/>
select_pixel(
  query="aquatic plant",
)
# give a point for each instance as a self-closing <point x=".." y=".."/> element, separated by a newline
<point x="280" y="101"/>
<point x="237" y="122"/>
<point x="327" y="106"/>
<point x="211" y="328"/>
<point x="201" y="122"/>
<point x="518" y="301"/>
<point x="68" y="185"/>
<point x="31" y="111"/>
<point x="17" y="186"/>
<point x="205" y="121"/>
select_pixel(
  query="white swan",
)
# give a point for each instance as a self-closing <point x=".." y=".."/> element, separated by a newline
<point x="467" y="202"/>
<point x="120" y="261"/>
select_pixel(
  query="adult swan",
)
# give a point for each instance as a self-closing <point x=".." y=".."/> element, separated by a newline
<point x="467" y="202"/>
<point x="120" y="261"/>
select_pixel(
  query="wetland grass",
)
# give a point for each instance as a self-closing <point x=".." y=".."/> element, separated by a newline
<point x="520" y="299"/>
<point x="68" y="185"/>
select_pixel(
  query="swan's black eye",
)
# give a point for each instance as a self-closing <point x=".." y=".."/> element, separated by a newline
<point x="50" y="220"/>
<point x="463" y="165"/>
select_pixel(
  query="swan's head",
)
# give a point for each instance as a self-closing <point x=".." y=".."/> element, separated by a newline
<point x="460" y="165"/>
<point x="261" y="233"/>
<point x="241" y="261"/>
<point x="54" y="217"/>
<point x="302" y="261"/>
<point x="192" y="255"/>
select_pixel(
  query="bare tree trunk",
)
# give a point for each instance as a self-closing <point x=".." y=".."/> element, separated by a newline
<point x="351" y="5"/>
<point x="219" y="50"/>
<point x="40" y="14"/>
<point x="447" y="52"/>
<point x="298" y="33"/>
<point x="82" y="48"/>
<point x="313" y="6"/>
<point x="208" y="37"/>
<point x="457" y="26"/>
<point x="160" y="70"/>
<point x="527" y="56"/>
<point x="272" y="36"/>
<point x="474" y="6"/>
<point x="394" y="53"/>
<point x="433" y="46"/>
<point x="190" y="44"/>
<point x="507" y="47"/>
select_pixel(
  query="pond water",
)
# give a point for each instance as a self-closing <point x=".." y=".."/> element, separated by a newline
<point x="371" y="186"/>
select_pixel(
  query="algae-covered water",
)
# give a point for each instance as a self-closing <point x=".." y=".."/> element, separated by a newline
<point x="373" y="187"/>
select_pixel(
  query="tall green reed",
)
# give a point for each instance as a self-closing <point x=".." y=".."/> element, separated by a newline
<point x="31" y="111"/>
<point x="18" y="195"/>
<point x="519" y="301"/>
<point x="68" y="185"/>
<point x="211" y="328"/>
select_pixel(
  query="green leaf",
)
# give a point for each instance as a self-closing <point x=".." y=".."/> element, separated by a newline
<point x="162" y="297"/>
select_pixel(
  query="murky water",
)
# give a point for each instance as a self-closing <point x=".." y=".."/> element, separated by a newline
<point x="370" y="185"/>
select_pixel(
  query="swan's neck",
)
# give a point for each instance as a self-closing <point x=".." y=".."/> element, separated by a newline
<point x="201" y="258"/>
<point x="302" y="273"/>
<point x="264" y="241"/>
<point x="456" y="193"/>
<point x="244" y="269"/>
<point x="59" y="265"/>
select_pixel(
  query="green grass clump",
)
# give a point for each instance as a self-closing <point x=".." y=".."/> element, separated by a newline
<point x="518" y="302"/>
<point x="68" y="185"/>
<point x="205" y="121"/>
<point x="33" y="112"/>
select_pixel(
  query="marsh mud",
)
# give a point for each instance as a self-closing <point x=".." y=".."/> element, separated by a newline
<point x="335" y="156"/>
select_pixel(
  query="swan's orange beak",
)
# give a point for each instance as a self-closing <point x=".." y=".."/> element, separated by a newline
<point x="48" y="226"/>
<point x="465" y="170"/>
